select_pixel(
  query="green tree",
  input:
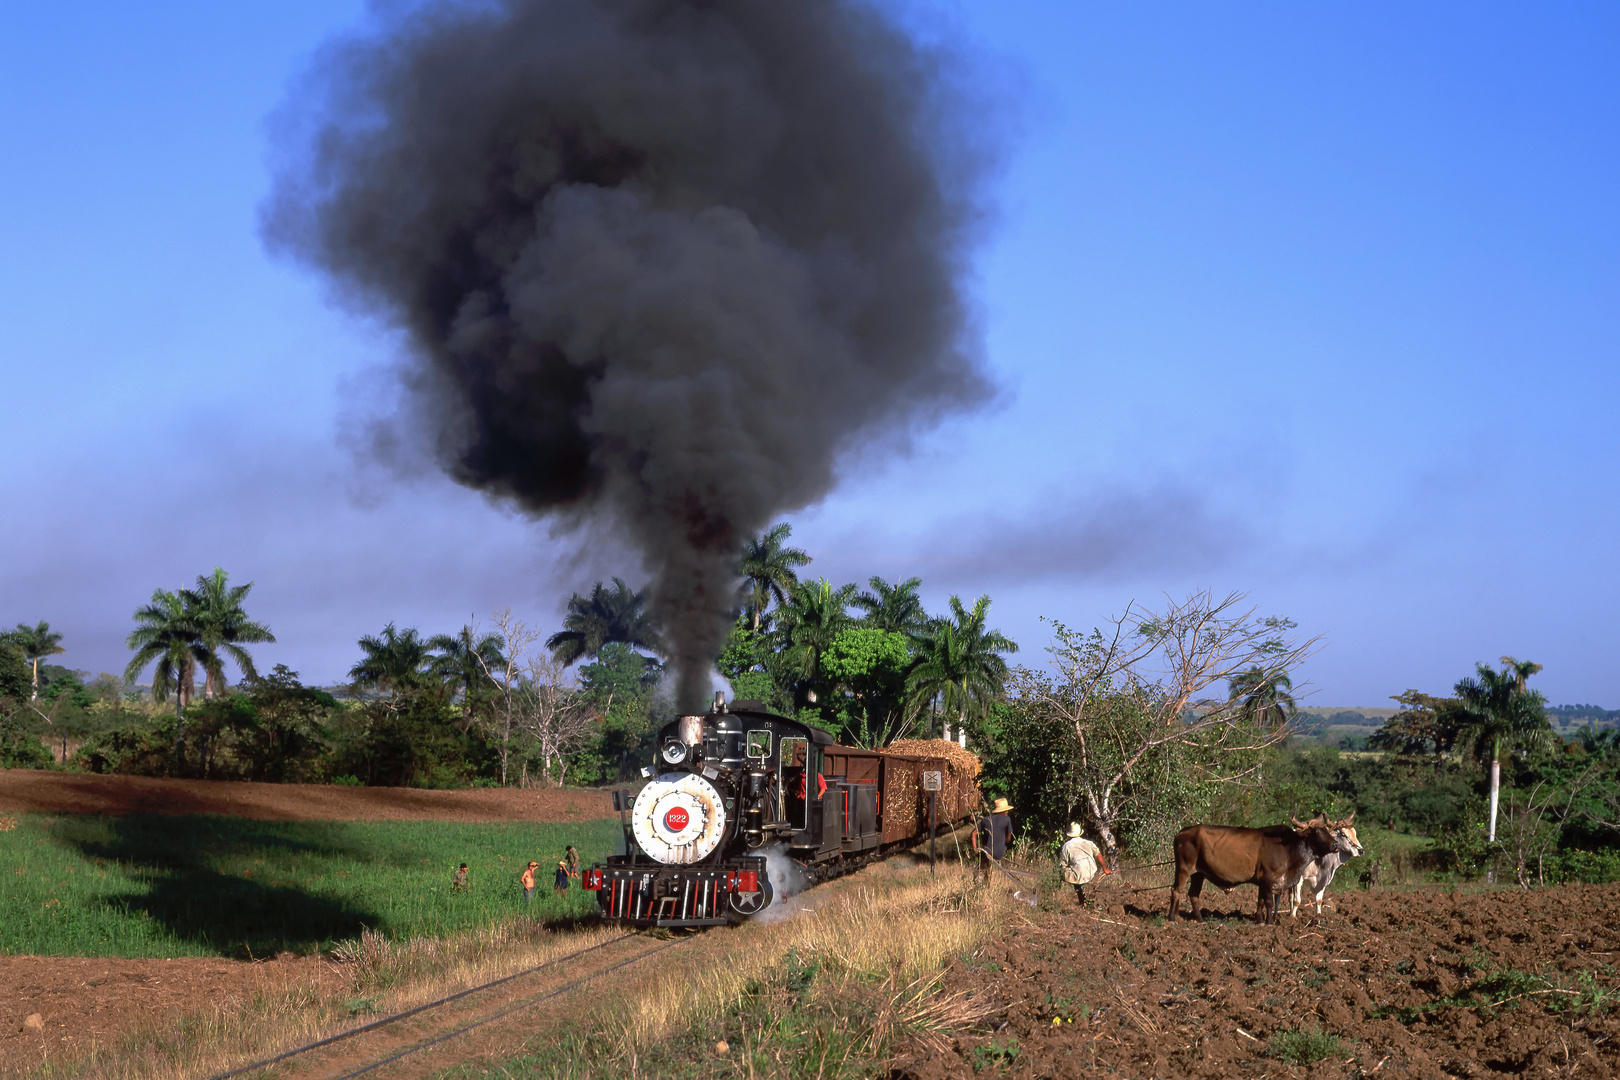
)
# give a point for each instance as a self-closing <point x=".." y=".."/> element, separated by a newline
<point x="768" y="567"/>
<point x="814" y="615"/>
<point x="20" y="748"/>
<point x="619" y="687"/>
<point x="166" y="632"/>
<point x="37" y="642"/>
<point x="223" y="627"/>
<point x="866" y="668"/>
<point x="605" y="616"/>
<point x="289" y="733"/>
<point x="1425" y="724"/>
<point x="895" y="608"/>
<point x="747" y="663"/>
<point x="14" y="683"/>
<point x="465" y="661"/>
<point x="1264" y="696"/>
<point x="1498" y="708"/>
<point x="409" y="739"/>
<point x="394" y="661"/>
<point x="960" y="664"/>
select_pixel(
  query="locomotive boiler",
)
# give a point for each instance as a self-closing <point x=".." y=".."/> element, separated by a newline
<point x="739" y="782"/>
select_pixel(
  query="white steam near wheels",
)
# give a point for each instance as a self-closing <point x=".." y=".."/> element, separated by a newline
<point x="679" y="818"/>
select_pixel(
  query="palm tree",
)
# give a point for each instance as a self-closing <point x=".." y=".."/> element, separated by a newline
<point x="166" y="631"/>
<point x="813" y="615"/>
<point x="960" y="663"/>
<point x="1496" y="708"/>
<point x="223" y="627"/>
<point x="36" y="642"/>
<point x="394" y="660"/>
<point x="465" y="662"/>
<point x="1264" y="696"/>
<point x="606" y="615"/>
<point x="896" y="608"/>
<point x="768" y="567"/>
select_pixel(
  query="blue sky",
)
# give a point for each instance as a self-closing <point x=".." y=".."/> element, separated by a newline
<point x="1314" y="302"/>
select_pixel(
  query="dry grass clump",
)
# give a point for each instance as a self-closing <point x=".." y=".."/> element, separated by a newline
<point x="876" y="949"/>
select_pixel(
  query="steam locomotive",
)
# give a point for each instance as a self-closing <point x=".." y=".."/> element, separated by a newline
<point x="739" y="782"/>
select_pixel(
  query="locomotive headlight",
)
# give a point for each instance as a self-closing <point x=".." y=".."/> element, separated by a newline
<point x="674" y="752"/>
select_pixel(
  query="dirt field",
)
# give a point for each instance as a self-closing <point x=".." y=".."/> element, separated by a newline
<point x="82" y="1002"/>
<point x="34" y="791"/>
<point x="1422" y="984"/>
<point x="76" y="1003"/>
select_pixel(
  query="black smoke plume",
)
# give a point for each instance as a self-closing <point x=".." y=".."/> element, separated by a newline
<point x="660" y="261"/>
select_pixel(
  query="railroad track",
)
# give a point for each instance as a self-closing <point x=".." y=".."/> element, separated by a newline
<point x="362" y="1050"/>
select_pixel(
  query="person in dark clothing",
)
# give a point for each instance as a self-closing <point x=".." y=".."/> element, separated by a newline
<point x="993" y="837"/>
<point x="458" y="883"/>
<point x="560" y="885"/>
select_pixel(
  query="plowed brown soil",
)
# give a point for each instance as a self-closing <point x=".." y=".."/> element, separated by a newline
<point x="37" y="791"/>
<point x="1402" y="978"/>
<point x="84" y="1003"/>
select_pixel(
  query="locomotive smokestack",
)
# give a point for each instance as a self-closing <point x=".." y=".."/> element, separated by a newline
<point x="602" y="223"/>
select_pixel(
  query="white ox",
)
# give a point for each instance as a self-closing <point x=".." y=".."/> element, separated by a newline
<point x="1317" y="874"/>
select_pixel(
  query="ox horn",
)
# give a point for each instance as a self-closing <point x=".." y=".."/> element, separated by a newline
<point x="1298" y="824"/>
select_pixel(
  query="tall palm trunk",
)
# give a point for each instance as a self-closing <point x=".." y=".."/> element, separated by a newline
<point x="1496" y="785"/>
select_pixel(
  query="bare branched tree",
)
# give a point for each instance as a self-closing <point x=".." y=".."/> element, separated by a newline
<point x="1536" y="818"/>
<point x="508" y="675"/>
<point x="553" y="713"/>
<point x="1135" y="700"/>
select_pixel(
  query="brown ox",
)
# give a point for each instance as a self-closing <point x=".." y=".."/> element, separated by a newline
<point x="1272" y="859"/>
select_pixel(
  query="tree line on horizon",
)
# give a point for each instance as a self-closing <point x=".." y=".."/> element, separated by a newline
<point x="1166" y="716"/>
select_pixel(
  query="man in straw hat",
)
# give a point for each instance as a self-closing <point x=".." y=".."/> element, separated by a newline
<point x="1079" y="860"/>
<point x="992" y="837"/>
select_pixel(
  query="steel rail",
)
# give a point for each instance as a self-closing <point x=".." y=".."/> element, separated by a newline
<point x="340" y="1036"/>
<point x="506" y="1012"/>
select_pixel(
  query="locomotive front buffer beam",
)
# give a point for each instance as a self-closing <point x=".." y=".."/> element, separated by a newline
<point x="648" y="896"/>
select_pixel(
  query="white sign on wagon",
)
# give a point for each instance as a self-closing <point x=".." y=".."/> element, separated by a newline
<point x="933" y="780"/>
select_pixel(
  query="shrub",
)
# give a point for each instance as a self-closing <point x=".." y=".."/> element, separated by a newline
<point x="1303" y="1046"/>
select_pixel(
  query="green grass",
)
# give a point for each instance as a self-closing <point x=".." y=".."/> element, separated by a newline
<point x="148" y="885"/>
<point x="1303" y="1046"/>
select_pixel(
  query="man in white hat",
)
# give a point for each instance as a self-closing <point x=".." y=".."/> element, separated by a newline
<point x="993" y="836"/>
<point x="1079" y="860"/>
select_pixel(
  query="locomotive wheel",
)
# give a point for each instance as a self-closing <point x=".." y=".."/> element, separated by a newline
<point x="744" y="904"/>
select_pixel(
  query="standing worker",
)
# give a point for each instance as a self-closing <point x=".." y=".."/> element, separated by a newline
<point x="992" y="837"/>
<point x="571" y="856"/>
<point x="1079" y="859"/>
<point x="458" y="883"/>
<point x="528" y="880"/>
<point x="560" y="885"/>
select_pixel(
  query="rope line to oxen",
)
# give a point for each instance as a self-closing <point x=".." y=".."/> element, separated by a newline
<point x="1013" y="876"/>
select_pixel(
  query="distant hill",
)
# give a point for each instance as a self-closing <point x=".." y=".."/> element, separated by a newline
<point x="1565" y="717"/>
<point x="1334" y="724"/>
<point x="1348" y="716"/>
